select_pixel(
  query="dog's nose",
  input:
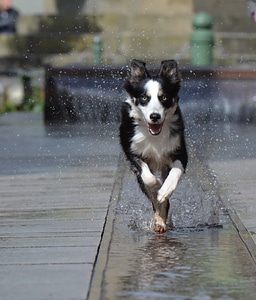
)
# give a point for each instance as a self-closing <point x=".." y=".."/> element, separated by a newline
<point x="155" y="117"/>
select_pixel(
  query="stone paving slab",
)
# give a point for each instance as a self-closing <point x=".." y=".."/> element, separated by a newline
<point x="44" y="281"/>
<point x="54" y="197"/>
<point x="237" y="181"/>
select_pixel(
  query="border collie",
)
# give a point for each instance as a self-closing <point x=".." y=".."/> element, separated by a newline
<point x="152" y="134"/>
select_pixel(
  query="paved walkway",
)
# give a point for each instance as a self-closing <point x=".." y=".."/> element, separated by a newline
<point x="55" y="190"/>
<point x="233" y="159"/>
<point x="237" y="180"/>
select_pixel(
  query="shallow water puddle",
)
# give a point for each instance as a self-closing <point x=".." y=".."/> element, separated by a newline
<point x="184" y="264"/>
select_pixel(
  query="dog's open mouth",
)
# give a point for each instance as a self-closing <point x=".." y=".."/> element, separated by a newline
<point x="155" y="129"/>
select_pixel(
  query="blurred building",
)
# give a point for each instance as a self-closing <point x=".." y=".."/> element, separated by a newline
<point x="62" y="31"/>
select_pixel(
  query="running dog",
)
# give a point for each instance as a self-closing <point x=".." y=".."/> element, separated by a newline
<point x="152" y="134"/>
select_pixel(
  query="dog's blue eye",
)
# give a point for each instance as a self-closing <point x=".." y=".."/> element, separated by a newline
<point x="163" y="98"/>
<point x="144" y="98"/>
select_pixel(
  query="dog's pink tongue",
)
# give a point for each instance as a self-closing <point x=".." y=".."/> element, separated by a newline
<point x="155" y="128"/>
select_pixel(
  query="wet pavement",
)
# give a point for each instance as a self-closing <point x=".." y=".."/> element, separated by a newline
<point x="184" y="264"/>
<point x="55" y="188"/>
<point x="234" y="163"/>
<point x="74" y="224"/>
<point x="205" y="257"/>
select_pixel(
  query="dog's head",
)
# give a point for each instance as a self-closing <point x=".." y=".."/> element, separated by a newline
<point x="155" y="97"/>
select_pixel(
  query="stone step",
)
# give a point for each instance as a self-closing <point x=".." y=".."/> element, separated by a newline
<point x="227" y="15"/>
<point x="59" y="24"/>
<point x="43" y="43"/>
<point x="146" y="23"/>
<point x="34" y="50"/>
<point x="139" y="29"/>
<point x="149" y="47"/>
<point x="239" y="47"/>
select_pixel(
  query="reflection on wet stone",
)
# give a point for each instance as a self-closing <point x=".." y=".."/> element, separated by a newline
<point x="154" y="261"/>
<point x="184" y="264"/>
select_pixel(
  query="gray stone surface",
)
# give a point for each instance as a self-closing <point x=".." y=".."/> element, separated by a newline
<point x="232" y="155"/>
<point x="55" y="189"/>
<point x="237" y="178"/>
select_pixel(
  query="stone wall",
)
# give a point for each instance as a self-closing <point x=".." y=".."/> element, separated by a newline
<point x="234" y="30"/>
<point x="155" y="29"/>
<point x="146" y="29"/>
<point x="228" y="15"/>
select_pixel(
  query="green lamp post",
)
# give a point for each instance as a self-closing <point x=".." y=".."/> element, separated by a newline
<point x="201" y="40"/>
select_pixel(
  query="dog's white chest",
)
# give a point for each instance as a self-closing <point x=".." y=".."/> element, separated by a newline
<point x="155" y="149"/>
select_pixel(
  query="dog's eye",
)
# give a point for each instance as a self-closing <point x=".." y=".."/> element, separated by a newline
<point x="144" y="98"/>
<point x="163" y="98"/>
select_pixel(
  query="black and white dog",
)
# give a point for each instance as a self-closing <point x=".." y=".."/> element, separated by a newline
<point x="152" y="134"/>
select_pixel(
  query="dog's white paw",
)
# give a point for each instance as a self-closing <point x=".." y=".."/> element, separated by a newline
<point x="158" y="224"/>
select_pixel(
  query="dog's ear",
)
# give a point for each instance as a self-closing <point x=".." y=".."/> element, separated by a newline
<point x="138" y="70"/>
<point x="169" y="70"/>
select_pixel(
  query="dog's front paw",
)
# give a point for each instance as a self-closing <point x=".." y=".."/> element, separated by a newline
<point x="158" y="224"/>
<point x="160" y="228"/>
